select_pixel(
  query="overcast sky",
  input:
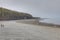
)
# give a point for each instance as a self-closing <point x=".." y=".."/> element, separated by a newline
<point x="40" y="8"/>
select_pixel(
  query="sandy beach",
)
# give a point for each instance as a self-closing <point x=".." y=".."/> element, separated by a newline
<point x="36" y="22"/>
<point x="14" y="30"/>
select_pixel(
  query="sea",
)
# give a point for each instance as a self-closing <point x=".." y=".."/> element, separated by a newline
<point x="51" y="20"/>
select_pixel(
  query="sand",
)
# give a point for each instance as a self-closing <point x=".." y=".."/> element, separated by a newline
<point x="20" y="31"/>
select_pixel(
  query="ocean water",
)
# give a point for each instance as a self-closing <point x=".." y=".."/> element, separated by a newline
<point x="53" y="21"/>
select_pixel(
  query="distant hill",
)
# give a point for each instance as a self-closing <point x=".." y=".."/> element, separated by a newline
<point x="6" y="14"/>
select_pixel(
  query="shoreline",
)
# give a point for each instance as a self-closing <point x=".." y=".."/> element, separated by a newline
<point x="36" y="22"/>
<point x="49" y="24"/>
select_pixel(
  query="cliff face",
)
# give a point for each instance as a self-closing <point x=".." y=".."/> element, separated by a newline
<point x="9" y="14"/>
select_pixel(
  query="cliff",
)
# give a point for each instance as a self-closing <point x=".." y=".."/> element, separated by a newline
<point x="6" y="14"/>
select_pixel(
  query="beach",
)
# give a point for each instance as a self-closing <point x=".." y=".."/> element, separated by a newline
<point x="23" y="30"/>
<point x="38" y="22"/>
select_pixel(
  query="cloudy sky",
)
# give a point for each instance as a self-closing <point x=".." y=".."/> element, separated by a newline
<point x="40" y="8"/>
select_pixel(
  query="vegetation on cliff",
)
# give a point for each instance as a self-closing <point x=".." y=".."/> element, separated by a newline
<point x="9" y="14"/>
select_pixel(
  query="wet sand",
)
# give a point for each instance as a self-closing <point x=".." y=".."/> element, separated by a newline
<point x="20" y="31"/>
